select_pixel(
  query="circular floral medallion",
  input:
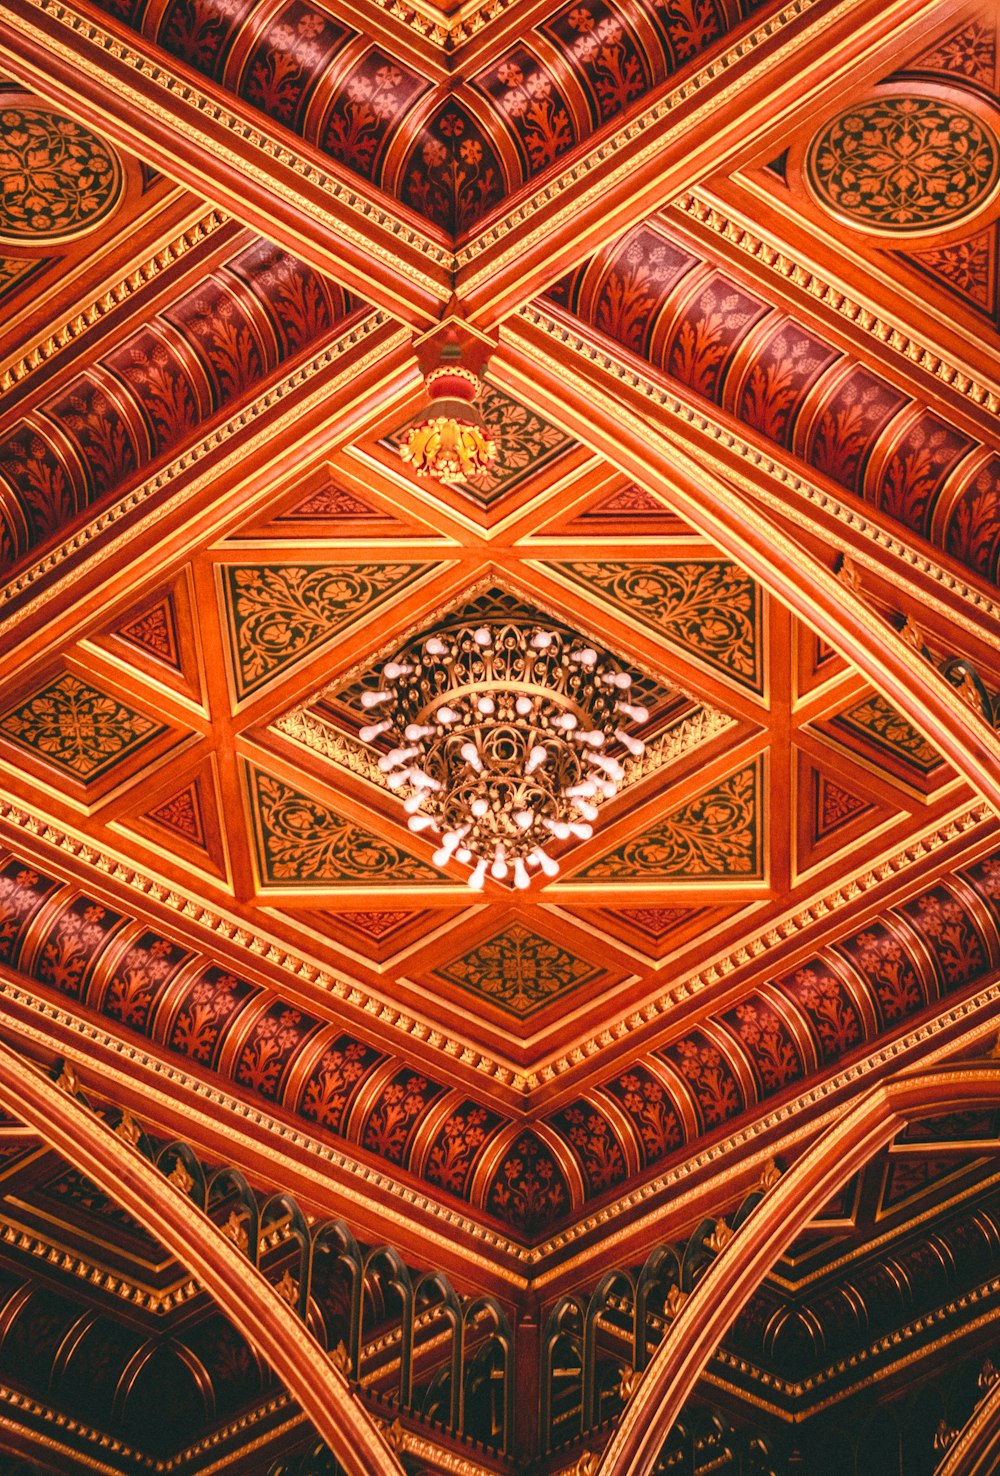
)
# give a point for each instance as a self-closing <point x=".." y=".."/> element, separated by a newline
<point x="57" y="179"/>
<point x="904" y="163"/>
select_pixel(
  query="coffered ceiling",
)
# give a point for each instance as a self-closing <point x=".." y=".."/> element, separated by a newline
<point x="737" y="273"/>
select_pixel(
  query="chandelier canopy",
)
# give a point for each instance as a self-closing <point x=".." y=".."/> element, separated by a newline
<point x="508" y="738"/>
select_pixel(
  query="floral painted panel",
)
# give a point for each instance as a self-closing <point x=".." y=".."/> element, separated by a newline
<point x="518" y="970"/>
<point x="302" y="842"/>
<point x="278" y="613"/>
<point x="708" y="609"/>
<point x="718" y="834"/>
<point x="78" y="728"/>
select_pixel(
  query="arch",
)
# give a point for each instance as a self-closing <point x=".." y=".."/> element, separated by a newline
<point x="976" y="1452"/>
<point x="729" y="1281"/>
<point x="598" y="408"/>
<point x="240" y="1291"/>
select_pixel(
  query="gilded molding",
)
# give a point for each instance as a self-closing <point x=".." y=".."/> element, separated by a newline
<point x="305" y="728"/>
<point x="628" y="1211"/>
<point x="49" y="344"/>
<point x="650" y="120"/>
<point x="297" y="965"/>
<point x="55" y="1419"/>
<point x="889" y="1342"/>
<point x="112" y="1282"/>
<point x="188" y="459"/>
<point x="273" y="148"/>
<point x="762" y="461"/>
<point x="770" y="254"/>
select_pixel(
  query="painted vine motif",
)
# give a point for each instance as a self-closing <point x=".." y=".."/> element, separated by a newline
<point x="718" y="834"/>
<point x="904" y="163"/>
<point x="78" y="728"/>
<point x="518" y="970"/>
<point x="532" y="106"/>
<point x="455" y="1150"/>
<point x="710" y="609"/>
<point x="651" y="1110"/>
<point x="529" y="1190"/>
<point x="878" y="720"/>
<point x="453" y="176"/>
<point x="277" y="613"/>
<point x="302" y="842"/>
<point x="604" y="54"/>
<point x="57" y="178"/>
<point x="334" y="1080"/>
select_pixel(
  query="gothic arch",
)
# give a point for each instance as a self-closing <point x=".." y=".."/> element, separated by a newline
<point x="239" y="1289"/>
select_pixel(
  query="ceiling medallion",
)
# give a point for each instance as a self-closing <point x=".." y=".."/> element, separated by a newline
<point x="506" y="740"/>
<point x="905" y="163"/>
<point x="450" y="440"/>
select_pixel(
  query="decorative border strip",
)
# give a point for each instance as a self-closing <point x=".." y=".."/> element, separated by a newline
<point x="857" y="1360"/>
<point x="305" y="728"/>
<point x="85" y="318"/>
<point x="769" y="253"/>
<point x="650" y="119"/>
<point x="297" y="965"/>
<point x="55" y="1419"/>
<point x="73" y="1264"/>
<point x="187" y="460"/>
<point x="738" y="1145"/>
<point x="352" y="200"/>
<point x="734" y="1148"/>
<point x="777" y="470"/>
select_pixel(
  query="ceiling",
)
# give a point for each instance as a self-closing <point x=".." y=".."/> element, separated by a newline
<point x="736" y="272"/>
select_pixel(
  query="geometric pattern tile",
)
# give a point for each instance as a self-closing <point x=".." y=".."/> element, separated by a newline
<point x="525" y="444"/>
<point x="718" y="834"/>
<point x="875" y="720"/>
<point x="276" y="613"/>
<point x="835" y="805"/>
<point x="518" y="970"/>
<point x="154" y="631"/>
<point x="831" y="813"/>
<point x="181" y="814"/>
<point x="708" y="608"/>
<point x="78" y="728"/>
<point x="303" y="842"/>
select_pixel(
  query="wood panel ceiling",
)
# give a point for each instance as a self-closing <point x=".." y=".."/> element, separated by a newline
<point x="738" y="271"/>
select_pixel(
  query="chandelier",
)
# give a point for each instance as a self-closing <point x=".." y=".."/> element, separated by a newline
<point x="508" y="737"/>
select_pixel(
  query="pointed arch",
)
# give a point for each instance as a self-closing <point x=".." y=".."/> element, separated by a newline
<point x="240" y="1291"/>
<point x="782" y="1214"/>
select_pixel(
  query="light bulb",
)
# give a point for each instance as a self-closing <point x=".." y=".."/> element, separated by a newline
<point x="395" y="757"/>
<point x="423" y="781"/>
<point x="442" y="855"/>
<point x="523" y="819"/>
<point x="435" y="647"/>
<point x="593" y="739"/>
<point x="586" y="790"/>
<point x="542" y="640"/>
<point x="637" y="714"/>
<point x="585" y="657"/>
<point x="419" y="822"/>
<point x="589" y="812"/>
<point x="610" y="766"/>
<point x="499" y="868"/>
<point x="470" y="753"/>
<point x="548" y="864"/>
<point x="559" y="828"/>
<point x="523" y="706"/>
<point x="398" y="778"/>
<point x="608" y="789"/>
<point x="581" y="830"/>
<point x="479" y="875"/>
<point x="486" y="706"/>
<point x="463" y="854"/>
<point x="622" y="680"/>
<point x="480" y="807"/>
<point x="635" y="746"/>
<point x="536" y="759"/>
<point x="521" y="877"/>
<point x="394" y="669"/>
<point x="367" y="735"/>
<point x="483" y="636"/>
<point x="567" y="721"/>
<point x="372" y="699"/>
<point x="413" y="802"/>
<point x="446" y="715"/>
<point x="415" y="731"/>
